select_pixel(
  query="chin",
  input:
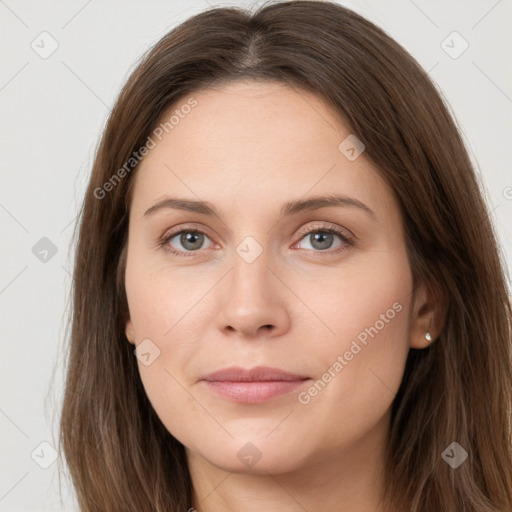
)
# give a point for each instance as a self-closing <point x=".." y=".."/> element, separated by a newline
<point x="256" y="457"/>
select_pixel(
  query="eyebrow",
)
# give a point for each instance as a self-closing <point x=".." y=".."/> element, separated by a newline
<point x="289" y="208"/>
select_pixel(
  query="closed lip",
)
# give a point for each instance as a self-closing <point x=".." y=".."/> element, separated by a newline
<point x="256" y="374"/>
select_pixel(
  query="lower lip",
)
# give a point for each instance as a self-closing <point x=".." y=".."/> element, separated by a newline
<point x="253" y="392"/>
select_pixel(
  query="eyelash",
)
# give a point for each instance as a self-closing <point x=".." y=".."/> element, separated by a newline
<point x="345" y="238"/>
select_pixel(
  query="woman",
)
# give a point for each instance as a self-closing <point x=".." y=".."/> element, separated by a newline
<point x="288" y="292"/>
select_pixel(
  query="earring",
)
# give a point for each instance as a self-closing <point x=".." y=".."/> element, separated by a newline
<point x="428" y="337"/>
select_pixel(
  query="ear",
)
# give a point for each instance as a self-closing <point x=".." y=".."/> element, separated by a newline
<point x="130" y="331"/>
<point x="427" y="316"/>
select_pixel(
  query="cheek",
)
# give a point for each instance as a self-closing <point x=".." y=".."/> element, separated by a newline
<point x="160" y="298"/>
<point x="166" y="315"/>
<point x="359" y="383"/>
<point x="361" y="365"/>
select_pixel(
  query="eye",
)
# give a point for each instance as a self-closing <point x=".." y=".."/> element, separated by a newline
<point x="185" y="241"/>
<point x="322" y="238"/>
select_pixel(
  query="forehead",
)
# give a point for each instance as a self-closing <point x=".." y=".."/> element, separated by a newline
<point x="246" y="142"/>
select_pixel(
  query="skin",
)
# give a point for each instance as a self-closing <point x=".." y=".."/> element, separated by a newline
<point x="247" y="148"/>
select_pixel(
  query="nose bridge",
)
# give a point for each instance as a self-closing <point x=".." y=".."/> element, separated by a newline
<point x="252" y="299"/>
<point x="251" y="274"/>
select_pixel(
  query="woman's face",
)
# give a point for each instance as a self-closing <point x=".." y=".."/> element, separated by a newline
<point x="237" y="187"/>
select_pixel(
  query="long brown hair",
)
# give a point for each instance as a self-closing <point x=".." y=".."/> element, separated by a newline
<point x="120" y="455"/>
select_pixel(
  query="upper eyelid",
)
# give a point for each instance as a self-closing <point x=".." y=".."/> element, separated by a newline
<point x="170" y="233"/>
<point x="319" y="225"/>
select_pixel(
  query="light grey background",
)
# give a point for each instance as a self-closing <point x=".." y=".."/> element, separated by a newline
<point x="52" y="113"/>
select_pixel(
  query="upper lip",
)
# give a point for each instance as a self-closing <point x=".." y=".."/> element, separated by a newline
<point x="256" y="374"/>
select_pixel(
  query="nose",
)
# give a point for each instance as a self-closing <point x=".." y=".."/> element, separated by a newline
<point x="253" y="301"/>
